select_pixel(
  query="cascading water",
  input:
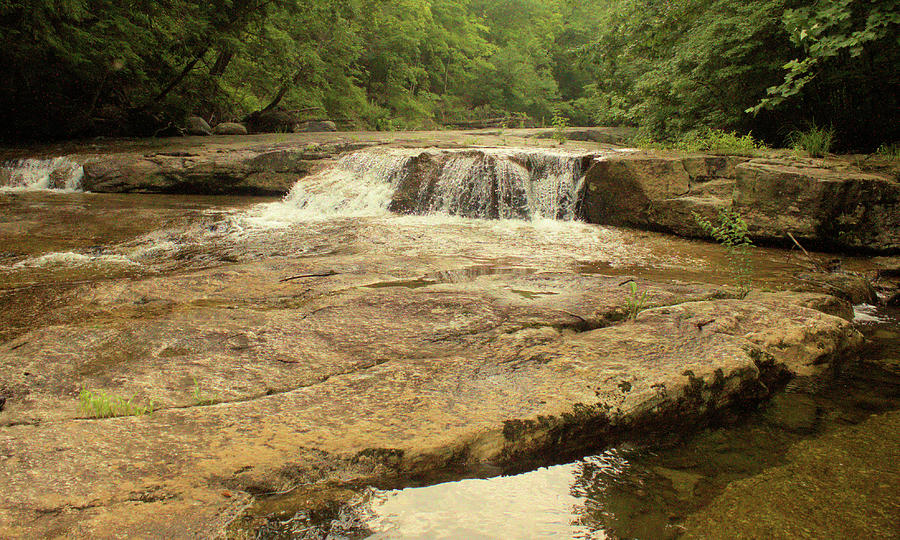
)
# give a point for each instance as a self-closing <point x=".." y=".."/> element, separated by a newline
<point x="482" y="183"/>
<point x="58" y="174"/>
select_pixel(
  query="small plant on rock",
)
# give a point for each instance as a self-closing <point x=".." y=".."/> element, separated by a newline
<point x="815" y="141"/>
<point x="560" y="123"/>
<point x="99" y="404"/>
<point x="732" y="233"/>
<point x="636" y="303"/>
<point x="200" y="398"/>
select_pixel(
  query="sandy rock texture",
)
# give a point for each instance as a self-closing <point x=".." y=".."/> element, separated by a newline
<point x="261" y="385"/>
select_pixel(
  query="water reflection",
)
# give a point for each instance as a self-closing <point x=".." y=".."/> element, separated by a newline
<point x="647" y="492"/>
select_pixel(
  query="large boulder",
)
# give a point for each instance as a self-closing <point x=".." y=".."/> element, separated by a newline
<point x="819" y="206"/>
<point x="230" y="128"/>
<point x="313" y="126"/>
<point x="658" y="193"/>
<point x="272" y="121"/>
<point x="197" y="126"/>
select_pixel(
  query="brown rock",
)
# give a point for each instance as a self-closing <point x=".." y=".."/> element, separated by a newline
<point x="819" y="206"/>
<point x="230" y="128"/>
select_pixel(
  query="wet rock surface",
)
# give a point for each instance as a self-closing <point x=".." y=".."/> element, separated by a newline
<point x="355" y="350"/>
<point x="252" y="170"/>
<point x="825" y="204"/>
<point x="320" y="380"/>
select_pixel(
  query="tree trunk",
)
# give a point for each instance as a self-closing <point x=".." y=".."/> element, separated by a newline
<point x="221" y="64"/>
<point x="184" y="72"/>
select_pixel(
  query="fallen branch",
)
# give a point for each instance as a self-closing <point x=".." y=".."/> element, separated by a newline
<point x="307" y="276"/>
<point x="818" y="266"/>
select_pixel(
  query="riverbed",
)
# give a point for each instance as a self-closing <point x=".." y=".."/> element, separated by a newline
<point x="361" y="362"/>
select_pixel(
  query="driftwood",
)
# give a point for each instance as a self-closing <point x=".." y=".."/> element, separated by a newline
<point x="809" y="257"/>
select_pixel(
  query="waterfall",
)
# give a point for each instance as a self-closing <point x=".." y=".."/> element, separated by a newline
<point x="482" y="183"/>
<point x="58" y="174"/>
<point x="497" y="183"/>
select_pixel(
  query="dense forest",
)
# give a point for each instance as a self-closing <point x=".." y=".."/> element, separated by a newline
<point x="76" y="68"/>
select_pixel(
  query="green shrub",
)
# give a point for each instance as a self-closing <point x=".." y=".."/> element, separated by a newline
<point x="560" y="123"/>
<point x="99" y="404"/>
<point x="815" y="141"/>
<point x="731" y="232"/>
<point x="889" y="151"/>
<point x="713" y="141"/>
<point x="717" y="141"/>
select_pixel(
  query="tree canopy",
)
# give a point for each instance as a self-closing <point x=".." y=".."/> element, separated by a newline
<point x="72" y="68"/>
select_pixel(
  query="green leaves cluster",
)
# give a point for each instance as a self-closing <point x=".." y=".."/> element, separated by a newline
<point x="732" y="233"/>
<point x="766" y="66"/>
<point x="671" y="67"/>
<point x="78" y="67"/>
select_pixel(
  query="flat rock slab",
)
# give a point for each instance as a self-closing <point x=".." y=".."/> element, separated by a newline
<point x="338" y="379"/>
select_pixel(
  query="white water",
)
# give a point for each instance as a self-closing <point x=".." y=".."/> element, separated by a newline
<point x="487" y="183"/>
<point x="56" y="174"/>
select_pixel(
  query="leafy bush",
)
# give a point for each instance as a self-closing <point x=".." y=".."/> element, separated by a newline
<point x="560" y="123"/>
<point x="714" y="141"/>
<point x="717" y="141"/>
<point x="731" y="232"/>
<point x="815" y="141"/>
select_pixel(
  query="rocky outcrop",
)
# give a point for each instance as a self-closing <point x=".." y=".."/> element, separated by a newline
<point x="603" y="135"/>
<point x="197" y="126"/>
<point x="821" y="207"/>
<point x="230" y="128"/>
<point x="660" y="193"/>
<point x="259" y="170"/>
<point x="315" y="126"/>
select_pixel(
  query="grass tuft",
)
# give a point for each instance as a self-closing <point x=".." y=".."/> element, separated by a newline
<point x="815" y="141"/>
<point x="99" y="404"/>
<point x="889" y="151"/>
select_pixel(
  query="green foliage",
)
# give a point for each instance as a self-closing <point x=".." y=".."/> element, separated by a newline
<point x="99" y="404"/>
<point x="826" y="30"/>
<point x="635" y="303"/>
<point x="815" y="141"/>
<point x="732" y="233"/>
<point x="716" y="141"/>
<point x="713" y="141"/>
<point x="100" y="67"/>
<point x="560" y="123"/>
<point x="889" y="151"/>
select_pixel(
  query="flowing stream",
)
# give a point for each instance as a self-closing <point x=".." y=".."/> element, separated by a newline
<point x="421" y="217"/>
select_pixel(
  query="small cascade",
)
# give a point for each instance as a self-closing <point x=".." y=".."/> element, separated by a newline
<point x="481" y="183"/>
<point x="494" y="183"/>
<point x="57" y="174"/>
<point x="361" y="183"/>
